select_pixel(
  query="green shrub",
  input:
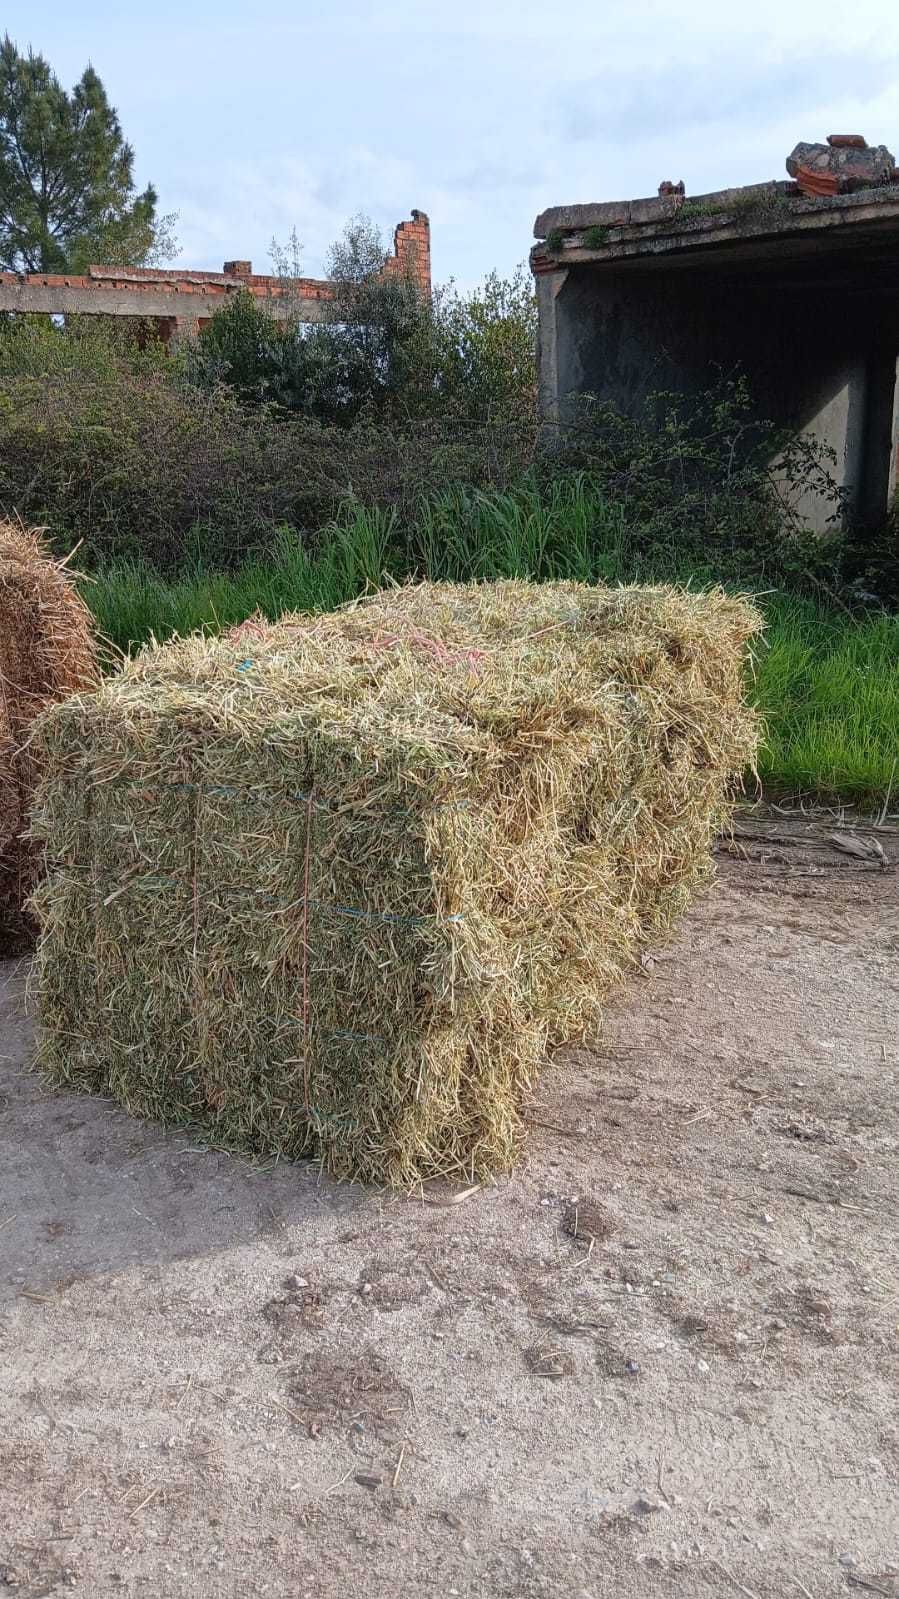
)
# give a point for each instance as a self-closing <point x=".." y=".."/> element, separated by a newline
<point x="476" y="355"/>
<point x="384" y="354"/>
<point x="701" y="479"/>
<point x="101" y="346"/>
<point x="132" y="464"/>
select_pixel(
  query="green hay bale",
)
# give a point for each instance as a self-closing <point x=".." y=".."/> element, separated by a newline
<point x="331" y="887"/>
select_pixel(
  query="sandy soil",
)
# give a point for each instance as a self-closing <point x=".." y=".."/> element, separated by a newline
<point x="661" y="1360"/>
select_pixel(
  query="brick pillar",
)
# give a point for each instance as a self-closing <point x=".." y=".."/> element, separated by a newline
<point x="412" y="250"/>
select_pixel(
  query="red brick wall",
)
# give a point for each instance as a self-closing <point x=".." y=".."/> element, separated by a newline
<point x="412" y="250"/>
<point x="131" y="285"/>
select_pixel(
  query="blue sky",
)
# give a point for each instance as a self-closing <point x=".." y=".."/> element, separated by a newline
<point x="254" y="118"/>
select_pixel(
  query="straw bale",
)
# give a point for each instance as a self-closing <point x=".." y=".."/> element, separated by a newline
<point x="46" y="652"/>
<point x="332" y="886"/>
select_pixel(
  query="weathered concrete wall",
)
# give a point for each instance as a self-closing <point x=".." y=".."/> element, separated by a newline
<point x="809" y="365"/>
<point x="811" y="318"/>
<point x="86" y="296"/>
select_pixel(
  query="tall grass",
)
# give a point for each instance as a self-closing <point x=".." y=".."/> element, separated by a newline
<point x="827" y="682"/>
<point x="828" y="686"/>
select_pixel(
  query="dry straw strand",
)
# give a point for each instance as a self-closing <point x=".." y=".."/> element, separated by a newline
<point x="337" y="896"/>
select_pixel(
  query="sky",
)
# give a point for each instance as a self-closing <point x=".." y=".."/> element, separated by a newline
<point x="252" y="117"/>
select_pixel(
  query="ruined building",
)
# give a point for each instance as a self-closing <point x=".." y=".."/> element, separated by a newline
<point x="179" y="301"/>
<point x="792" y="282"/>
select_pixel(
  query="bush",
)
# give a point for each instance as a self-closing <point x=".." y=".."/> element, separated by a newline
<point x="384" y="353"/>
<point x="36" y="346"/>
<point x="113" y="444"/>
<point x="130" y="464"/>
<point x="872" y="563"/>
<point x="475" y="356"/>
<point x="701" y="479"/>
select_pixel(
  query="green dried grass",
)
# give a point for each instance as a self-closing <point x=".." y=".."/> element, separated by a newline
<point x="333" y="886"/>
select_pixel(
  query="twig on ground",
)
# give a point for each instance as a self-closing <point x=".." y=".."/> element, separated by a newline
<point x="802" y="1588"/>
<point x="456" y="1199"/>
<point x="293" y="1414"/>
<point x="144" y="1502"/>
<point x="339" y="1483"/>
<point x="737" y="1584"/>
<point x="577" y="1264"/>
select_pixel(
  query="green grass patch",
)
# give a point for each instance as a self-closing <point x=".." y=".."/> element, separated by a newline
<point x="827" y="682"/>
<point x="828" y="686"/>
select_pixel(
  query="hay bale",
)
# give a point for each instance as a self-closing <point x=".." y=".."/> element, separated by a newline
<point x="46" y="652"/>
<point x="331" y="887"/>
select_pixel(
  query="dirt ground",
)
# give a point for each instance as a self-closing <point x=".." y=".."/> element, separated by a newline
<point x="660" y="1360"/>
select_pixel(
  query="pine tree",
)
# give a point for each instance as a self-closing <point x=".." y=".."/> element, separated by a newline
<point x="67" y="193"/>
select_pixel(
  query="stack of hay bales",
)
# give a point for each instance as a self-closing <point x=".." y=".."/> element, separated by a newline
<point x="46" y="652"/>
<point x="332" y="886"/>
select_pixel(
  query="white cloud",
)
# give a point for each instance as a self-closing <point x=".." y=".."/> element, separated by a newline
<point x="251" y="122"/>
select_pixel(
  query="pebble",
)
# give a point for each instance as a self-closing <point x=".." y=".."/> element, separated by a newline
<point x="293" y="1282"/>
<point x="846" y="1559"/>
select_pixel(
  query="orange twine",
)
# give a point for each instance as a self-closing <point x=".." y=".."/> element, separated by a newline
<point x="436" y="648"/>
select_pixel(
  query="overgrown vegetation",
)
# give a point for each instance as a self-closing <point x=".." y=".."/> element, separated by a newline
<point x="703" y="480"/>
<point x="114" y="451"/>
<point x="383" y="352"/>
<point x="274" y="467"/>
<point x="127" y="451"/>
<point x="118" y="448"/>
<point x="826" y="681"/>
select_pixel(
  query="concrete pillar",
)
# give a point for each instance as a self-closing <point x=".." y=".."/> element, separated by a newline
<point x="835" y="420"/>
<point x="549" y="338"/>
